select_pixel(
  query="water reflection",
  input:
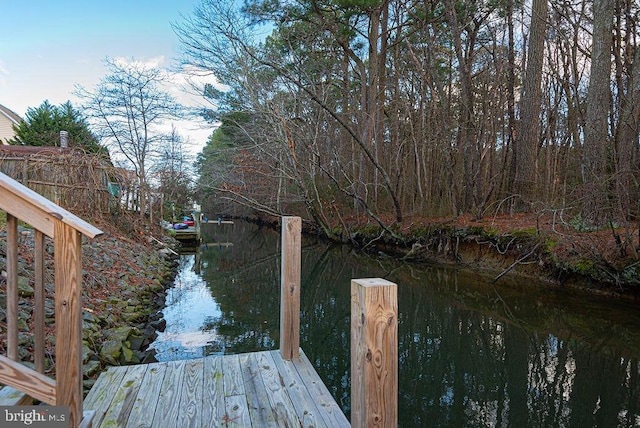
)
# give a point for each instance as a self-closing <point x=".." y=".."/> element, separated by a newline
<point x="471" y="353"/>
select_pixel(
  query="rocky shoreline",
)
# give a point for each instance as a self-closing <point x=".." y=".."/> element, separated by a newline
<point x="124" y="284"/>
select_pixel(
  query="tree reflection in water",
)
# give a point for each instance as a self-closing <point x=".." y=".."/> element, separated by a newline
<point x="471" y="353"/>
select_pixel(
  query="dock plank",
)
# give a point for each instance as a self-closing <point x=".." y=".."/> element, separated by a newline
<point x="303" y="402"/>
<point x="191" y="398"/>
<point x="146" y="402"/>
<point x="278" y="398"/>
<point x="246" y="390"/>
<point x="236" y="408"/>
<point x="166" y="414"/>
<point x="213" y="411"/>
<point x="257" y="398"/>
<point x="120" y="409"/>
<point x="101" y="395"/>
<point x="329" y="409"/>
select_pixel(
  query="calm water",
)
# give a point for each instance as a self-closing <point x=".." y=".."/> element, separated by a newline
<point x="471" y="354"/>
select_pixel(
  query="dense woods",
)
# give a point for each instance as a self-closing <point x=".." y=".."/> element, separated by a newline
<point x="388" y="109"/>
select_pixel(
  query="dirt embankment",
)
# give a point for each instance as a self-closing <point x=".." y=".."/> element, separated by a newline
<point x="539" y="246"/>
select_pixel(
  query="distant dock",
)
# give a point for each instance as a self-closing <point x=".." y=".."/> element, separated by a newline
<point x="192" y="233"/>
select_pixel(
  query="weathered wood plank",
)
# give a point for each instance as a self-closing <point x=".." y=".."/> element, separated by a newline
<point x="278" y="398"/>
<point x="13" y="397"/>
<point x="236" y="408"/>
<point x="169" y="402"/>
<point x="144" y="408"/>
<point x="25" y="379"/>
<point x="101" y="395"/>
<point x="302" y="401"/>
<point x="329" y="409"/>
<point x="257" y="399"/>
<point x="191" y="398"/>
<point x="258" y="389"/>
<point x="213" y="411"/>
<point x="125" y="397"/>
<point x="232" y="375"/>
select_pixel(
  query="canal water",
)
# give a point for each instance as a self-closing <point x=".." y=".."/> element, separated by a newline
<point x="471" y="354"/>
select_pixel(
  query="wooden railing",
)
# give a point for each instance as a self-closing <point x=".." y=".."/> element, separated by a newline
<point x="48" y="219"/>
<point x="374" y="334"/>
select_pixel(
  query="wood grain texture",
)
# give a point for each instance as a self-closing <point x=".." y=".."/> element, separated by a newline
<point x="257" y="400"/>
<point x="277" y="393"/>
<point x="101" y="395"/>
<point x="27" y="380"/>
<point x="39" y="302"/>
<point x="12" y="287"/>
<point x="213" y="411"/>
<point x="329" y="409"/>
<point x="13" y="397"/>
<point x="374" y="353"/>
<point x="258" y="389"/>
<point x="303" y="403"/>
<point x="125" y="397"/>
<point x="168" y="407"/>
<point x="190" y="415"/>
<point x="290" y="287"/>
<point x="68" y="312"/>
<point x="144" y="407"/>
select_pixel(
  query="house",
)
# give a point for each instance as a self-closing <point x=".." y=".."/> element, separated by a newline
<point x="8" y="118"/>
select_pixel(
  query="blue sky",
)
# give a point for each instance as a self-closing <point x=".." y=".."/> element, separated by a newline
<point x="48" y="46"/>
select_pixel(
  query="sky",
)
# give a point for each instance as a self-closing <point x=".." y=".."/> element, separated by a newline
<point x="47" y="47"/>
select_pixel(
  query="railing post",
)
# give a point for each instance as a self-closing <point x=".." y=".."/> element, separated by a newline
<point x="290" y="288"/>
<point x="12" y="287"/>
<point x="374" y="353"/>
<point x="68" y="313"/>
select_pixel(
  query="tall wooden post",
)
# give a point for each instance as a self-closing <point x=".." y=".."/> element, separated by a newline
<point x="12" y="287"/>
<point x="290" y="288"/>
<point x="68" y="310"/>
<point x="374" y="353"/>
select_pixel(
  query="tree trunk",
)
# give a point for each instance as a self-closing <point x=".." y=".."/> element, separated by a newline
<point x="596" y="132"/>
<point x="529" y="128"/>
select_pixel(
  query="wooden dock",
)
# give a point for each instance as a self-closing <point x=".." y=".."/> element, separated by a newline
<point x="259" y="389"/>
<point x="277" y="388"/>
<point x="190" y="234"/>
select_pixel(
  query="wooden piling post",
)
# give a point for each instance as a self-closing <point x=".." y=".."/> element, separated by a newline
<point x="374" y="353"/>
<point x="290" y="288"/>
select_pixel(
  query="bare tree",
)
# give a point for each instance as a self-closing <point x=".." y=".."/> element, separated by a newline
<point x="127" y="109"/>
<point x="526" y="142"/>
<point x="596" y="130"/>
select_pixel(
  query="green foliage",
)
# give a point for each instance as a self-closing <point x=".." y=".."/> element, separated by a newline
<point x="584" y="266"/>
<point x="43" y="124"/>
<point x="525" y="233"/>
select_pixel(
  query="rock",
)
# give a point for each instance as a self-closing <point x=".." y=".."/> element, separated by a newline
<point x="158" y="325"/>
<point x="91" y="368"/>
<point x="119" y="333"/>
<point x="136" y="342"/>
<point x="24" y="288"/>
<point x="110" y="351"/>
<point x="128" y="356"/>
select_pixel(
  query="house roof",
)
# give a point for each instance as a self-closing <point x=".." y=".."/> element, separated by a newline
<point x="11" y="115"/>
